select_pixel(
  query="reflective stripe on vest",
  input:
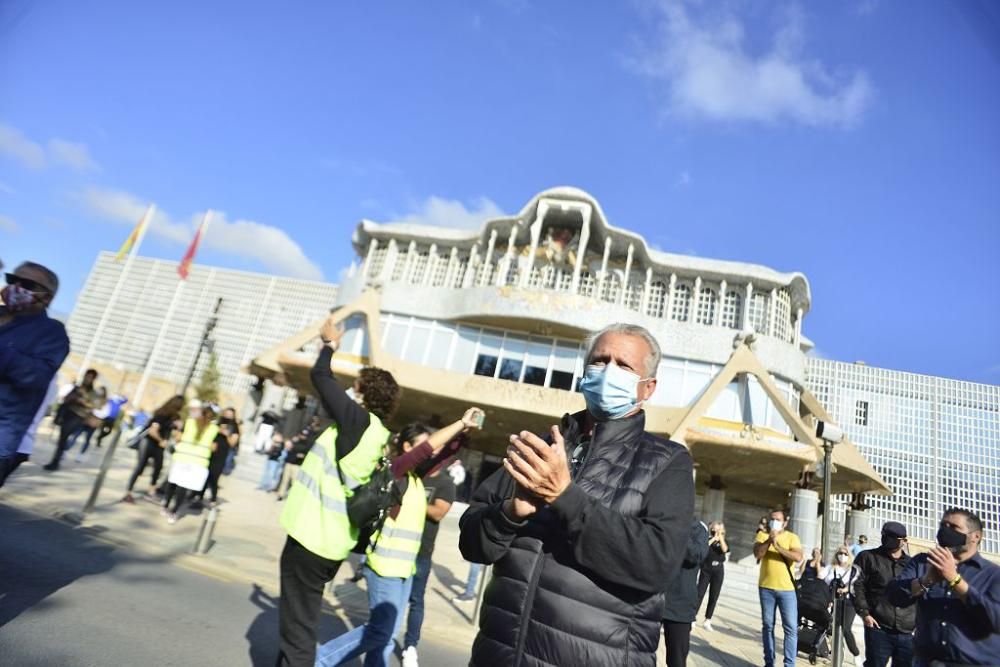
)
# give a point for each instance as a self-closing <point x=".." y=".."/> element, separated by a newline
<point x="397" y="545"/>
<point x="191" y="448"/>
<point x="315" y="512"/>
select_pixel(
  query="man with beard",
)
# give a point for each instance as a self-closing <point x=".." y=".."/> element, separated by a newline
<point x="957" y="595"/>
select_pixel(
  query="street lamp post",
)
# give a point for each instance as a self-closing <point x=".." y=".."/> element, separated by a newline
<point x="831" y="435"/>
<point x="209" y="327"/>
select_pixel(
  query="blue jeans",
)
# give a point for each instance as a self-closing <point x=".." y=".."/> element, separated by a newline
<point x="881" y="645"/>
<point x="387" y="598"/>
<point x="272" y="475"/>
<point x="470" y="583"/>
<point x="415" y="617"/>
<point x="788" y="604"/>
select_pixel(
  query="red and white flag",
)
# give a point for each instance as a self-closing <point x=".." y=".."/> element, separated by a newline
<point x="184" y="268"/>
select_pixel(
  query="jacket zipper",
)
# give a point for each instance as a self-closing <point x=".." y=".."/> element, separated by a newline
<point x="529" y="603"/>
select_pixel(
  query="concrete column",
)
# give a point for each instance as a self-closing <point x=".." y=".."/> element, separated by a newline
<point x="717" y="320"/>
<point x="508" y="257"/>
<point x="449" y="277"/>
<point x="581" y="251"/>
<point x="411" y="252"/>
<point x="747" y="324"/>
<point x="798" y="328"/>
<point x="602" y="279"/>
<point x="432" y="254"/>
<point x="470" y="270"/>
<point x="488" y="261"/>
<point x="695" y="300"/>
<point x="837" y="523"/>
<point x="628" y="272"/>
<point x="859" y="523"/>
<point x="372" y="247"/>
<point x="713" y="505"/>
<point x="668" y="307"/>
<point x="644" y="307"/>
<point x="391" y="257"/>
<point x="536" y="233"/>
<point x="803" y="519"/>
<point x="772" y="314"/>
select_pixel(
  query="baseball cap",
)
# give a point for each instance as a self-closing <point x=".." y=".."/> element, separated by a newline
<point x="894" y="529"/>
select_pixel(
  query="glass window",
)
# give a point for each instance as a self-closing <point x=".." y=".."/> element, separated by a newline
<point x="564" y="365"/>
<point x="514" y="349"/>
<point x="537" y="361"/>
<point x="657" y="299"/>
<point x="682" y="303"/>
<point x="706" y="306"/>
<point x="727" y="405"/>
<point x="489" y="353"/>
<point x="669" y="385"/>
<point x="465" y="350"/>
<point x="417" y="345"/>
<point x="394" y="336"/>
<point x="732" y="310"/>
<point x="440" y="345"/>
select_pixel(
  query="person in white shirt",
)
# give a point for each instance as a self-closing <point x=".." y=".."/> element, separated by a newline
<point x="27" y="444"/>
<point x="841" y="576"/>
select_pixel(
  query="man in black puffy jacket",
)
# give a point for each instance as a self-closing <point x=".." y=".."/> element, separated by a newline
<point x="583" y="531"/>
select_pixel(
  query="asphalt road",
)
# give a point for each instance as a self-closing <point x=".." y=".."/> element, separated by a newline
<point x="70" y="599"/>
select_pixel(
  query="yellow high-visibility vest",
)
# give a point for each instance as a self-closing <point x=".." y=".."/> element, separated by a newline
<point x="194" y="449"/>
<point x="397" y="545"/>
<point x="315" y="513"/>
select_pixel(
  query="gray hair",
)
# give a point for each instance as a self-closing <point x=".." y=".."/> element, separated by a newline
<point x="652" y="361"/>
<point x="49" y="274"/>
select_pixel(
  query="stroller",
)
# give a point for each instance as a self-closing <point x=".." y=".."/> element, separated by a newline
<point x="815" y="620"/>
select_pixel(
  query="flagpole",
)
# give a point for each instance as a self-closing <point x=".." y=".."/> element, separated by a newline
<point x="110" y="306"/>
<point x="161" y="336"/>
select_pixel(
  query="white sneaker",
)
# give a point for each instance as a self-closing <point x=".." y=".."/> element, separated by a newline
<point x="707" y="624"/>
<point x="410" y="657"/>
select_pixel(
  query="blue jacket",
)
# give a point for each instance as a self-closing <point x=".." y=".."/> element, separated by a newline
<point x="32" y="348"/>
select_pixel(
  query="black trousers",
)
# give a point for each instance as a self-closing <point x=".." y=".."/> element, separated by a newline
<point x="303" y="576"/>
<point x="150" y="451"/>
<point x="71" y="423"/>
<point x="9" y="464"/>
<point x="176" y="493"/>
<point x="678" y="640"/>
<point x="710" y="579"/>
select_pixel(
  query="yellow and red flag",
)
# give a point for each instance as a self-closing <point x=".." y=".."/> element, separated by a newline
<point x="185" y="266"/>
<point x="133" y="237"/>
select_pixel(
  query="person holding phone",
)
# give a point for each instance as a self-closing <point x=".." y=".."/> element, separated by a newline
<point x="713" y="570"/>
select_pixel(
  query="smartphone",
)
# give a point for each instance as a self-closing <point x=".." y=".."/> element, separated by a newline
<point x="480" y="420"/>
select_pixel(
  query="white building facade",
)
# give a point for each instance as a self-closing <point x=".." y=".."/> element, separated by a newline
<point x="257" y="311"/>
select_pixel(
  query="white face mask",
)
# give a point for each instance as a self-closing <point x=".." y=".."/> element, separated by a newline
<point x="842" y="558"/>
<point x="776" y="524"/>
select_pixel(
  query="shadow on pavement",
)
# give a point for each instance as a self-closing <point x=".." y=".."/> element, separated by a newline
<point x="262" y="635"/>
<point x="38" y="566"/>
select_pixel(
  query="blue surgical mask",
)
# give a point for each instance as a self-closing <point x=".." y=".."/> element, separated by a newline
<point x="610" y="391"/>
<point x="776" y="524"/>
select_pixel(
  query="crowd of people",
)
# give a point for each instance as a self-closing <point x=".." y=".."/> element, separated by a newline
<point x="589" y="528"/>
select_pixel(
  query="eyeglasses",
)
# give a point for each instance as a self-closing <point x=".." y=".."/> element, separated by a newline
<point x="27" y="283"/>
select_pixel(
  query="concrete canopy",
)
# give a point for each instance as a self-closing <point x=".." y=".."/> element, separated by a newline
<point x="754" y="464"/>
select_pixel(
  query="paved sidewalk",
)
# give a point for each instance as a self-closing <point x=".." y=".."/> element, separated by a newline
<point x="248" y="542"/>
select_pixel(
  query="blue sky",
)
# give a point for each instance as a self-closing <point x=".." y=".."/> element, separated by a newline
<point x="857" y="142"/>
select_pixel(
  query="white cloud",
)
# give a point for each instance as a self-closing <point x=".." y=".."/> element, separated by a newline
<point x="440" y="212"/>
<point x="18" y="147"/>
<point x="8" y="225"/>
<point x="71" y="154"/>
<point x="6" y="189"/>
<point x="34" y="155"/>
<point x="710" y="72"/>
<point x="269" y="245"/>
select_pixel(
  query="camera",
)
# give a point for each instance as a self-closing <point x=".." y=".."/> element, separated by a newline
<point x="829" y="432"/>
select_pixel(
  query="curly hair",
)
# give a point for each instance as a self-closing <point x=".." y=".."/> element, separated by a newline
<point x="380" y="391"/>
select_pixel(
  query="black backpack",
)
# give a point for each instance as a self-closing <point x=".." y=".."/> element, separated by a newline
<point x="368" y="506"/>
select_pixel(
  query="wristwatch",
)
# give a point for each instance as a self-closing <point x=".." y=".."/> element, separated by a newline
<point x="956" y="581"/>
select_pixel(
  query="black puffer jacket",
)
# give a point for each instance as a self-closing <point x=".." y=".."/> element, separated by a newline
<point x="877" y="569"/>
<point x="580" y="582"/>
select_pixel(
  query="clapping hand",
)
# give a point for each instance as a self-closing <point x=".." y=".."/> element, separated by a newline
<point x="540" y="468"/>
<point x="944" y="567"/>
<point x="331" y="331"/>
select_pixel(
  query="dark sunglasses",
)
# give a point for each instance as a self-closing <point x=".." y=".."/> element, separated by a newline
<point x="27" y="283"/>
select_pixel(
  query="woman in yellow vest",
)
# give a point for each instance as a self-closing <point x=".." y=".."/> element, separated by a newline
<point x="391" y="562"/>
<point x="189" y="465"/>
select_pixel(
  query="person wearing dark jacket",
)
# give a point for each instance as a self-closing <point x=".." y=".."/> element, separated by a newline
<point x="583" y="533"/>
<point x="32" y="347"/>
<point x="888" y="629"/>
<point x="680" y="604"/>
